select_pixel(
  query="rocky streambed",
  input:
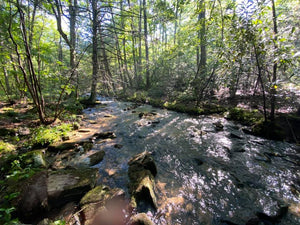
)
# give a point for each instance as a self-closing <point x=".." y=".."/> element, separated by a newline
<point x="135" y="164"/>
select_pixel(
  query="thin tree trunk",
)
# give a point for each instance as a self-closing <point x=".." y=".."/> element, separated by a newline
<point x="146" y="45"/>
<point x="261" y="81"/>
<point x="133" y="46"/>
<point x="274" y="77"/>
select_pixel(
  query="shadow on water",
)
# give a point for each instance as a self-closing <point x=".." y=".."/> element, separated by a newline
<point x="205" y="175"/>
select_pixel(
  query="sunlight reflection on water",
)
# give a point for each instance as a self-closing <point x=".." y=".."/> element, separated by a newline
<point x="203" y="175"/>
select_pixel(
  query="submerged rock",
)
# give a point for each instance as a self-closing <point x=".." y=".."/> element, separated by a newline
<point x="140" y="219"/>
<point x="141" y="172"/>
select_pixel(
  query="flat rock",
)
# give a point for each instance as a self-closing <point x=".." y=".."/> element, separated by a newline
<point x="69" y="185"/>
<point x="105" y="135"/>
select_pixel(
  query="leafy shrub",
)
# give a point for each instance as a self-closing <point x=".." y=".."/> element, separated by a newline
<point x="6" y="147"/>
<point x="243" y="116"/>
<point x="45" y="135"/>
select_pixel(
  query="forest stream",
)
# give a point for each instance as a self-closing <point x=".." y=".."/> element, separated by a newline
<point x="209" y="171"/>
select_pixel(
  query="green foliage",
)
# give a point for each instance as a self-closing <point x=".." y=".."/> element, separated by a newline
<point x="45" y="135"/>
<point x="139" y="97"/>
<point x="6" y="147"/>
<point x="6" y="210"/>
<point x="244" y="116"/>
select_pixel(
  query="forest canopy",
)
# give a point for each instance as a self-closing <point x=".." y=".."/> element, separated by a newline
<point x="174" y="50"/>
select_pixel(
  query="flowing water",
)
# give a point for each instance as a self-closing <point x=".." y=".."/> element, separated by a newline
<point x="204" y="176"/>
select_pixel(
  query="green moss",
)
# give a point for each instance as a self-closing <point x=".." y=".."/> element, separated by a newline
<point x="244" y="116"/>
<point x="6" y="147"/>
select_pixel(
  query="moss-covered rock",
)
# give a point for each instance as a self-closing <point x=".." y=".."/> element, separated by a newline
<point x="140" y="219"/>
<point x="69" y="185"/>
<point x="103" y="205"/>
<point x="34" y="158"/>
<point x="141" y="172"/>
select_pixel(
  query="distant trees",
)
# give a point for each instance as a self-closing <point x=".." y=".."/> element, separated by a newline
<point x="172" y="49"/>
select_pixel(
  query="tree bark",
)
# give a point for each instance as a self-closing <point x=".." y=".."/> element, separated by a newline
<point x="146" y="45"/>
<point x="95" y="52"/>
<point x="274" y="77"/>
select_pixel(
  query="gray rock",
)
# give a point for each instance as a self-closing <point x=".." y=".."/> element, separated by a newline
<point x="69" y="185"/>
<point x="96" y="157"/>
<point x="141" y="172"/>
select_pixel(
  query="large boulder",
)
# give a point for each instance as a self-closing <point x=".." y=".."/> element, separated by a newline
<point x="103" y="205"/>
<point x="141" y="172"/>
<point x="33" y="198"/>
<point x="69" y="185"/>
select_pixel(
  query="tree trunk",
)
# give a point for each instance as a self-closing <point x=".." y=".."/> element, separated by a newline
<point x="274" y="77"/>
<point x="95" y="52"/>
<point x="73" y="13"/>
<point x="146" y="46"/>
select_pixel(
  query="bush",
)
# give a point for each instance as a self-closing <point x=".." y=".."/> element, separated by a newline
<point x="45" y="135"/>
<point x="245" y="117"/>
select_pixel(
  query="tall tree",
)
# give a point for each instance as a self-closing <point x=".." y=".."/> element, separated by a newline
<point x="146" y="45"/>
<point x="95" y="64"/>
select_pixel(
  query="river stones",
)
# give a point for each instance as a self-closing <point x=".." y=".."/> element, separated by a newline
<point x="103" y="205"/>
<point x="140" y="219"/>
<point x="141" y="172"/>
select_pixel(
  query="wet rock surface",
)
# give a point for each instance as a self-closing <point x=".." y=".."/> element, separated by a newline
<point x="69" y="185"/>
<point x="140" y="219"/>
<point x="235" y="181"/>
<point x="103" y="205"/>
<point x="141" y="172"/>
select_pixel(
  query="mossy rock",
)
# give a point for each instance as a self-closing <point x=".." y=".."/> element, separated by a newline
<point x="141" y="172"/>
<point x="101" y="193"/>
<point x="70" y="185"/>
<point x="34" y="158"/>
<point x="101" y="205"/>
<point x="142" y="161"/>
<point x="140" y="219"/>
<point x="6" y="147"/>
